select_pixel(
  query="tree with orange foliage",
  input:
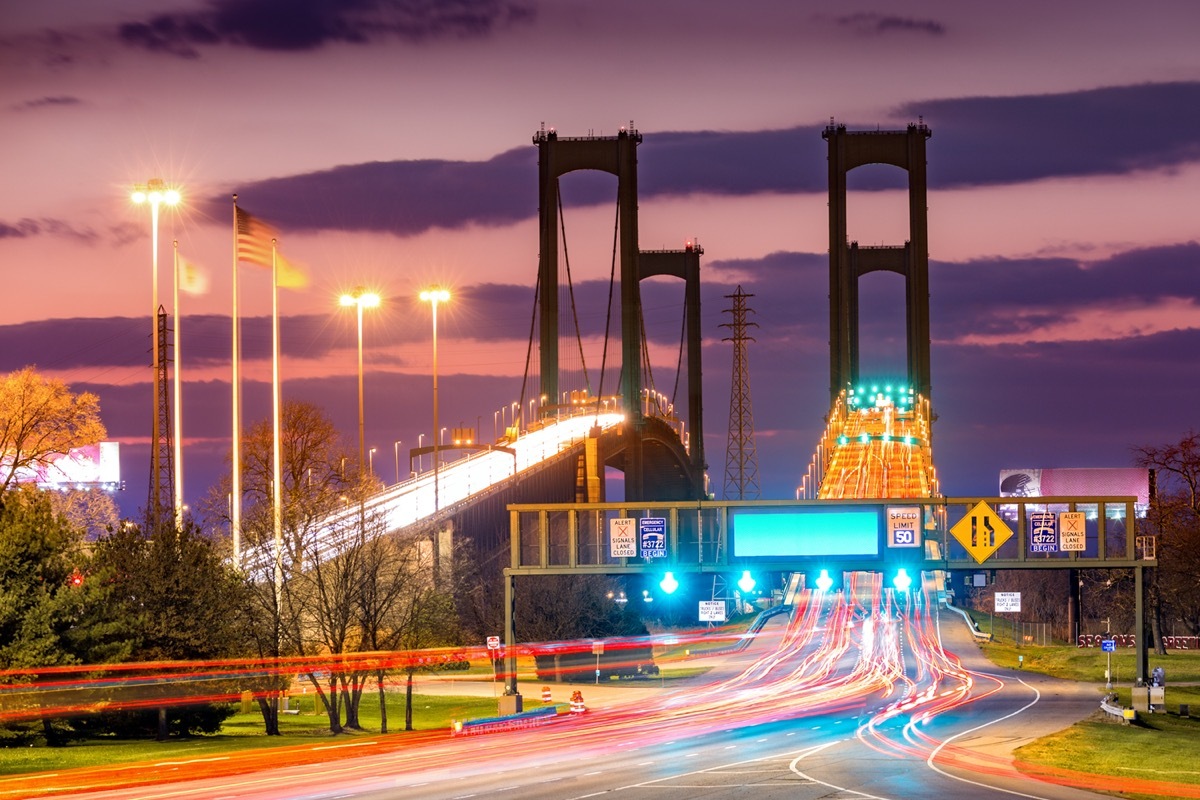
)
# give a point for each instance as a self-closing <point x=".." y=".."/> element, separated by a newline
<point x="40" y="420"/>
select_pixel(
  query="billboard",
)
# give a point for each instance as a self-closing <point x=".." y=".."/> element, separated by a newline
<point x="96" y="466"/>
<point x="806" y="532"/>
<point x="1077" y="482"/>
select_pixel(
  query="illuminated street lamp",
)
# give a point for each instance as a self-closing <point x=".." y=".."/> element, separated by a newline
<point x="156" y="193"/>
<point x="396" y="447"/>
<point x="360" y="298"/>
<point x="371" y="459"/>
<point x="433" y="297"/>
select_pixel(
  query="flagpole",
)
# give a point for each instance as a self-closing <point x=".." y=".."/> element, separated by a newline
<point x="235" y="514"/>
<point x="277" y="448"/>
<point x="178" y="405"/>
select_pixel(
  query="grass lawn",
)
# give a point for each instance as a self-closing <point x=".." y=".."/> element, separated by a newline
<point x="245" y="732"/>
<point x="1158" y="747"/>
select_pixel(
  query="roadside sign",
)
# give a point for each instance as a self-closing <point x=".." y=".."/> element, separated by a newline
<point x="1043" y="532"/>
<point x="712" y="610"/>
<point x="653" y="532"/>
<point x="981" y="532"/>
<point x="598" y="648"/>
<point x="622" y="537"/>
<point x="1108" y="645"/>
<point x="493" y="643"/>
<point x="1072" y="531"/>
<point x="903" y="526"/>
<point x="1008" y="602"/>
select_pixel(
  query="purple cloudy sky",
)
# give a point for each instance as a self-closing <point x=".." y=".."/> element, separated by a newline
<point x="389" y="142"/>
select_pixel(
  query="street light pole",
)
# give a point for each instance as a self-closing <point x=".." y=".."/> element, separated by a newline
<point x="155" y="192"/>
<point x="360" y="298"/>
<point x="371" y="460"/>
<point x="396" y="447"/>
<point x="433" y="297"/>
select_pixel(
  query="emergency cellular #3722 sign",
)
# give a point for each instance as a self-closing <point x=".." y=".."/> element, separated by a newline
<point x="1043" y="532"/>
<point x="653" y="532"/>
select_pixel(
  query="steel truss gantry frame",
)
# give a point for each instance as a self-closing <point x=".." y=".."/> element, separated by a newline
<point x="698" y="533"/>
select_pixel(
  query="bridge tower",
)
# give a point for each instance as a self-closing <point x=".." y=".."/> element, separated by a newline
<point x="616" y="155"/>
<point x="848" y="262"/>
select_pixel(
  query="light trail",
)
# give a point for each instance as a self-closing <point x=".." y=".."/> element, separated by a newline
<point x="865" y="651"/>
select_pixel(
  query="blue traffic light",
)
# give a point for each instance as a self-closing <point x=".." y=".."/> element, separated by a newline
<point x="824" y="582"/>
<point x="746" y="583"/>
<point x="668" y="583"/>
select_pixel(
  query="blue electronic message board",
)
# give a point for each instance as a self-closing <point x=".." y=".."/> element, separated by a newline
<point x="806" y="532"/>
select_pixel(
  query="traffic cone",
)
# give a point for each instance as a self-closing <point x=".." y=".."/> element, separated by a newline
<point x="546" y="697"/>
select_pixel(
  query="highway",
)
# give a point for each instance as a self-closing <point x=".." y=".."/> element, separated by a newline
<point x="858" y="694"/>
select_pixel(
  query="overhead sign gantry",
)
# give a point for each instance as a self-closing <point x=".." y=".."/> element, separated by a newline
<point x="807" y="536"/>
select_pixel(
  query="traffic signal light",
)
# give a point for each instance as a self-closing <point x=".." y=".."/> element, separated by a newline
<point x="668" y="584"/>
<point x="824" y="582"/>
<point x="746" y="583"/>
<point x="902" y="581"/>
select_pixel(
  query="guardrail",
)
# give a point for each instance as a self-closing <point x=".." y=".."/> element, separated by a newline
<point x="1126" y="715"/>
<point x="978" y="634"/>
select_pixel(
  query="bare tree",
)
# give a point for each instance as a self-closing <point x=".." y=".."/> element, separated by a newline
<point x="1174" y="517"/>
<point x="309" y="613"/>
<point x="402" y="607"/>
<point x="92" y="512"/>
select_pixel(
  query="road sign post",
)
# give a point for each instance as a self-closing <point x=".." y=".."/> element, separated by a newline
<point x="1108" y="646"/>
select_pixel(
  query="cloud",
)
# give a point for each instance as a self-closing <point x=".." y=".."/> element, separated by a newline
<point x="26" y="227"/>
<point x="1110" y="131"/>
<point x="875" y="24"/>
<point x="401" y="197"/>
<point x="1004" y="300"/>
<point x="46" y="102"/>
<point x="297" y="25"/>
<point x="1107" y="131"/>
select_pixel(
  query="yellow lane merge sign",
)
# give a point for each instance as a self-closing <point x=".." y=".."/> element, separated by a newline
<point x="981" y="532"/>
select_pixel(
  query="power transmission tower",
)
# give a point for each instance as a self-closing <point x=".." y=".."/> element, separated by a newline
<point x="741" y="460"/>
<point x="162" y="469"/>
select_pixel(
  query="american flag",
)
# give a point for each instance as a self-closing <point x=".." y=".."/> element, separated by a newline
<point x="254" y="239"/>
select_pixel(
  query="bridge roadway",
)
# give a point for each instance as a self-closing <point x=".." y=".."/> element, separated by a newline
<point x="478" y="474"/>
<point x="839" y="700"/>
<point x="874" y="447"/>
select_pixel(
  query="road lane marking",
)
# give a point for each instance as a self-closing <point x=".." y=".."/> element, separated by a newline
<point x="1037" y="696"/>
<point x="793" y="767"/>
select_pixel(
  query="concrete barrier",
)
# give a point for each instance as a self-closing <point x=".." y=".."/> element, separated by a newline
<point x="511" y="722"/>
